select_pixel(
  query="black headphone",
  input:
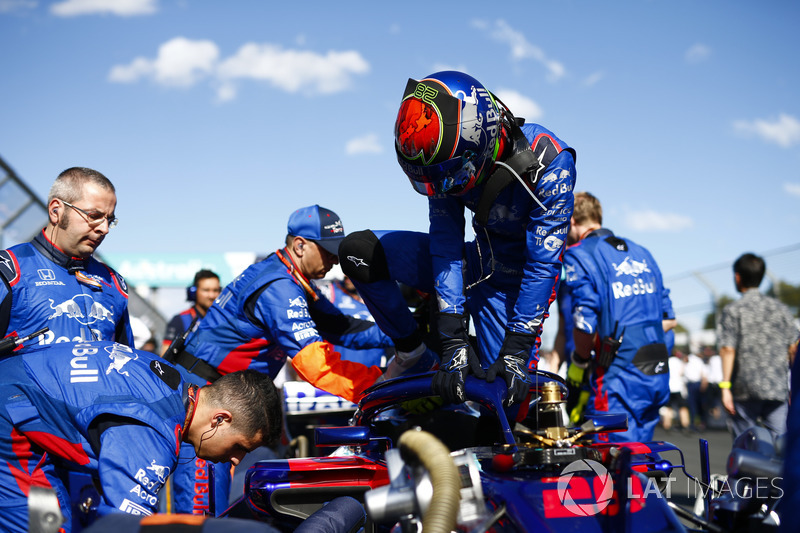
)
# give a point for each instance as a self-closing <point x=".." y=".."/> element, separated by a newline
<point x="219" y="420"/>
<point x="191" y="290"/>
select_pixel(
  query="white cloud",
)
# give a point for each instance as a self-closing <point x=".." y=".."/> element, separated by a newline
<point x="785" y="131"/>
<point x="649" y="220"/>
<point x="181" y="62"/>
<point x="593" y="79"/>
<point x="11" y="6"/>
<point x="697" y="53"/>
<point x="520" y="47"/>
<point x="792" y="188"/>
<point x="520" y="105"/>
<point x="122" y="8"/>
<point x="368" y="144"/>
<point x="294" y="70"/>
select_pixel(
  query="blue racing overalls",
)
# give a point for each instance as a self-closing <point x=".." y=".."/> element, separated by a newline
<point x="617" y="291"/>
<point x="78" y="299"/>
<point x="96" y="407"/>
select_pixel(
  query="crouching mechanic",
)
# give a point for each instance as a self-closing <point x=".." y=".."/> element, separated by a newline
<point x="465" y="151"/>
<point x="621" y="311"/>
<point x="273" y="311"/>
<point x="120" y="415"/>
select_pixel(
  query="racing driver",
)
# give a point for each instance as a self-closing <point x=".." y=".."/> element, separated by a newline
<point x="463" y="149"/>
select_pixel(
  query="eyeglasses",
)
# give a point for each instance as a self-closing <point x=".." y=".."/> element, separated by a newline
<point x="94" y="218"/>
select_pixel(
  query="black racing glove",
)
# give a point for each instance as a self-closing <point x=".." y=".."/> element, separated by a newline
<point x="512" y="364"/>
<point x="458" y="359"/>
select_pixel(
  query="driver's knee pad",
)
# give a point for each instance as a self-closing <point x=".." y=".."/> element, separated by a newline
<point x="362" y="257"/>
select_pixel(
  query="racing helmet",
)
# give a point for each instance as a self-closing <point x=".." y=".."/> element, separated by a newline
<point x="446" y="133"/>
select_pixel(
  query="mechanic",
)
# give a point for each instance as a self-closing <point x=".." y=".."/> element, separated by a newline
<point x="118" y="414"/>
<point x="462" y="148"/>
<point x="202" y="292"/>
<point x="273" y="311"/>
<point x="53" y="281"/>
<point x="620" y="311"/>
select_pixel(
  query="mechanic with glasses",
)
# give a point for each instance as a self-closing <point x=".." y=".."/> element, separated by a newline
<point x="460" y="146"/>
<point x="54" y="281"/>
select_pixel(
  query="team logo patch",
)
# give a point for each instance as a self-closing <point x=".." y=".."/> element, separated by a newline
<point x="166" y="373"/>
<point x="76" y="308"/>
<point x="8" y="267"/>
<point x="46" y="274"/>
<point x="120" y="355"/>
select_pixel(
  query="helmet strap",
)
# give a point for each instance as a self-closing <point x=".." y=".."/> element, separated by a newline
<point x="521" y="161"/>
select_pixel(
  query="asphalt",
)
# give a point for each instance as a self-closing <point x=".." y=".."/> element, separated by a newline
<point x="682" y="490"/>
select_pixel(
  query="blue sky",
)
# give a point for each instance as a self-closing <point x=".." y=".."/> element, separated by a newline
<point x="215" y="120"/>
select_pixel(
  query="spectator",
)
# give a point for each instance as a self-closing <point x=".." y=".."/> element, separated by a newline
<point x="118" y="414"/>
<point x="694" y="374"/>
<point x="204" y="290"/>
<point x="54" y="281"/>
<point x="677" y="394"/>
<point x="621" y="312"/>
<point x="551" y="361"/>
<point x="466" y="152"/>
<point x="754" y="335"/>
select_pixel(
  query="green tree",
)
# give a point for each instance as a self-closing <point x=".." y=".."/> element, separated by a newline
<point x="787" y="293"/>
<point x="711" y="318"/>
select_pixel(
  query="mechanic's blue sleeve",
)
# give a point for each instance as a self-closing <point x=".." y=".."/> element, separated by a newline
<point x="341" y="515"/>
<point x="666" y="304"/>
<point x="447" y="221"/>
<point x="586" y="299"/>
<point x="135" y="461"/>
<point x="546" y="238"/>
<point x="565" y="315"/>
<point x="339" y="328"/>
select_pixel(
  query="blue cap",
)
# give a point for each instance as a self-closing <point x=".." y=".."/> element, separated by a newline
<point x="317" y="224"/>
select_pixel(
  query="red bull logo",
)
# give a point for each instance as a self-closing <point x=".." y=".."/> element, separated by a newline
<point x="119" y="355"/>
<point x="631" y="267"/>
<point x="81" y="308"/>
